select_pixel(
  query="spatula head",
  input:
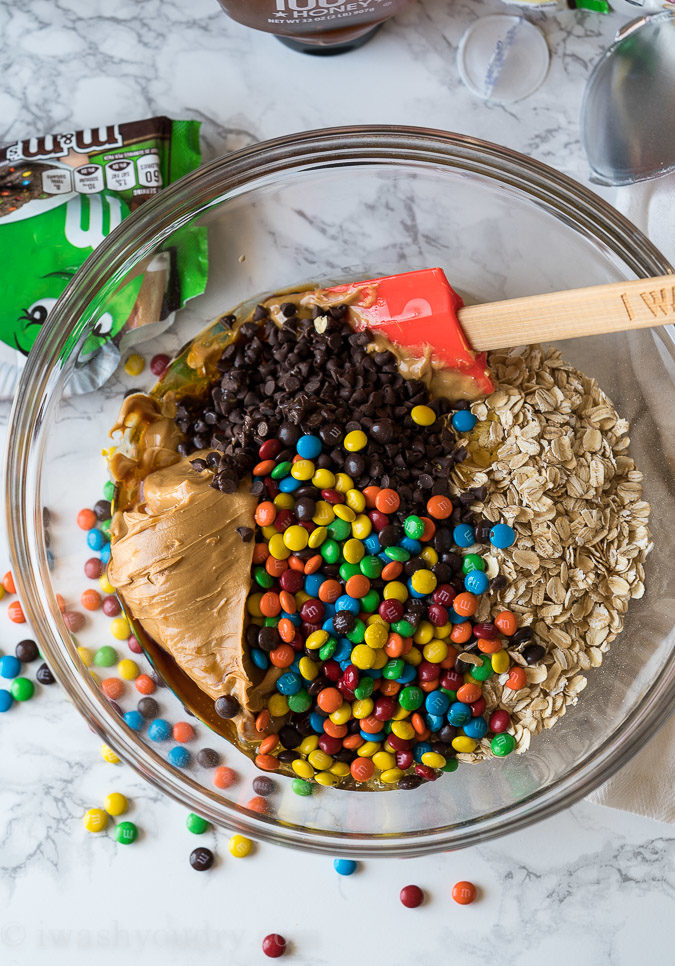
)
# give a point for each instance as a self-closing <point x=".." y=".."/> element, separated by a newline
<point x="417" y="311"/>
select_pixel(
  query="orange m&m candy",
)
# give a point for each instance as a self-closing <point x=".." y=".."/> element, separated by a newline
<point x="362" y="769"/>
<point x="329" y="700"/>
<point x="15" y="613"/>
<point x="506" y="623"/>
<point x="357" y="586"/>
<point x="439" y="507"/>
<point x="464" y="893"/>
<point x="465" y="604"/>
<point x="265" y="514"/>
<point x="517" y="679"/>
<point x="269" y="604"/>
<point x="387" y="501"/>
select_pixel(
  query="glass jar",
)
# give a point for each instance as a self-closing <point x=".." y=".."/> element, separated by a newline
<point x="316" y="26"/>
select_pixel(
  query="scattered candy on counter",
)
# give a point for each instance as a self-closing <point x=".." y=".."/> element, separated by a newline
<point x="196" y="824"/>
<point x="464" y="893"/>
<point x="116" y="804"/>
<point x="134" y="364"/>
<point x="274" y="945"/>
<point x="126" y="833"/>
<point x="240" y="846"/>
<point x="201" y="859"/>
<point x="95" y="820"/>
<point x="411" y="896"/>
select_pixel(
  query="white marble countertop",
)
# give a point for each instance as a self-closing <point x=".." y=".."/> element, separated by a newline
<point x="592" y="885"/>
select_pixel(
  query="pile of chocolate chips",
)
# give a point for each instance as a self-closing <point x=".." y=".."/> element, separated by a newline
<point x="283" y="382"/>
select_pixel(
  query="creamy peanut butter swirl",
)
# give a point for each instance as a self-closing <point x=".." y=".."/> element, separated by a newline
<point x="184" y="573"/>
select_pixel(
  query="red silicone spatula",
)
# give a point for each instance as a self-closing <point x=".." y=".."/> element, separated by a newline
<point x="418" y="310"/>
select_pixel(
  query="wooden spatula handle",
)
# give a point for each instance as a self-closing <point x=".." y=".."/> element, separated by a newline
<point x="615" y="307"/>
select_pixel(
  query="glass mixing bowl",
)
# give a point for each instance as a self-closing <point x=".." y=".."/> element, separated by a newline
<point x="328" y="206"/>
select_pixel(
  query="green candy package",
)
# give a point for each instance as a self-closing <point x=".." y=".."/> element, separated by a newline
<point x="60" y="196"/>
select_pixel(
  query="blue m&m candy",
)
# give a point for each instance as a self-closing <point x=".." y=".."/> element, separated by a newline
<point x="464" y="535"/>
<point x="179" y="757"/>
<point x="502" y="536"/>
<point x="10" y="666"/>
<point x="344" y="866"/>
<point x="476" y="582"/>
<point x="289" y="683"/>
<point x="135" y="720"/>
<point x="159" y="730"/>
<point x="476" y="728"/>
<point x="437" y="703"/>
<point x="308" y="447"/>
<point x="6" y="700"/>
<point x="459" y="714"/>
<point x="464" y="421"/>
<point x="96" y="539"/>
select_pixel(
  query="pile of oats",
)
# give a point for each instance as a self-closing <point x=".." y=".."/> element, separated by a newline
<point x="561" y="476"/>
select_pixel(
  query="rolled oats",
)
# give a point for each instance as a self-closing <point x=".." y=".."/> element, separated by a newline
<point x="561" y="477"/>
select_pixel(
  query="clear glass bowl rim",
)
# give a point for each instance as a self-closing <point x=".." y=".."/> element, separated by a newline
<point x="139" y="234"/>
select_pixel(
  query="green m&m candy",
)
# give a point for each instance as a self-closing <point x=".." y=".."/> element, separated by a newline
<point x="400" y="554"/>
<point x="482" y="671"/>
<point x="411" y="698"/>
<point x="300" y="702"/>
<point x="196" y="824"/>
<point x="126" y="833"/>
<point x="393" y="669"/>
<point x="371" y="567"/>
<point x="413" y="526"/>
<point x="502" y="745"/>
<point x="370" y="602"/>
<point x="22" y="689"/>
<point x="301" y="787"/>
<point x="472" y="561"/>
<point x="330" y="551"/>
<point x="358" y="631"/>
<point x="348" y="570"/>
<point x="364" y="689"/>
<point x="106" y="656"/>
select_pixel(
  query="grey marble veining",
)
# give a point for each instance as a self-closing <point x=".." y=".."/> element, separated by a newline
<point x="591" y="886"/>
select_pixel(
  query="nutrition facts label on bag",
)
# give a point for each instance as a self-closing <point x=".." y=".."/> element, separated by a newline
<point x="120" y="175"/>
<point x="56" y="181"/>
<point x="88" y="179"/>
<point x="149" y="175"/>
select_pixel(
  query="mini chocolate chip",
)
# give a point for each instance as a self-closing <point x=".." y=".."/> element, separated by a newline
<point x="245" y="533"/>
<point x="226" y="706"/>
